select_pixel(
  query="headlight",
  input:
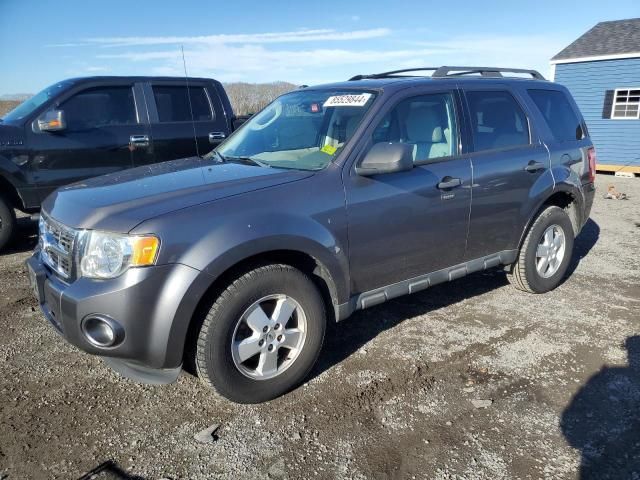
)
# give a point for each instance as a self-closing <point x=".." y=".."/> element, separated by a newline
<point x="108" y="255"/>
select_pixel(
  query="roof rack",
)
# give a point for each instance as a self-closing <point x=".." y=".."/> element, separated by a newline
<point x="391" y="73"/>
<point x="447" y="71"/>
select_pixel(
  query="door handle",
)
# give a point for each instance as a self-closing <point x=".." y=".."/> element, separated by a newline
<point x="449" y="182"/>
<point x="216" y="137"/>
<point x="534" y="166"/>
<point x="139" y="141"/>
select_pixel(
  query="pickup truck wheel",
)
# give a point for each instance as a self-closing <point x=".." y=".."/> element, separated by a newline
<point x="262" y="336"/>
<point x="7" y="223"/>
<point x="545" y="253"/>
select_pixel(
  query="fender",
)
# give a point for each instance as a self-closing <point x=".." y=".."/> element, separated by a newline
<point x="212" y="238"/>
<point x="11" y="177"/>
<point x="564" y="187"/>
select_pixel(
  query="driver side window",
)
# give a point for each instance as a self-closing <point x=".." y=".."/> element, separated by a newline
<point x="100" y="107"/>
<point x="427" y="122"/>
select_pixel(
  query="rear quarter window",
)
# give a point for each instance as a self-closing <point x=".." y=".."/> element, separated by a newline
<point x="564" y="123"/>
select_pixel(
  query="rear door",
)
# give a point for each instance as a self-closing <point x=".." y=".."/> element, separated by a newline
<point x="175" y="131"/>
<point x="405" y="224"/>
<point x="101" y="120"/>
<point x="510" y="168"/>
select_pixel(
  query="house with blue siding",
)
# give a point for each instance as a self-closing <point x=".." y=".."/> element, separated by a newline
<point x="602" y="71"/>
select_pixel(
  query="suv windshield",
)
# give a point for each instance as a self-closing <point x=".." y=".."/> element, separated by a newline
<point x="303" y="130"/>
<point x="29" y="105"/>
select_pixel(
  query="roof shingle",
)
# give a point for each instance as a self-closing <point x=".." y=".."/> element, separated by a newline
<point x="606" y="38"/>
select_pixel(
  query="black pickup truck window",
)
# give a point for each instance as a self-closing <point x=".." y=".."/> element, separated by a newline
<point x="172" y="103"/>
<point x="100" y="107"/>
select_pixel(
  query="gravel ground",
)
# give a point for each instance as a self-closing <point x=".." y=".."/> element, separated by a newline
<point x="467" y="380"/>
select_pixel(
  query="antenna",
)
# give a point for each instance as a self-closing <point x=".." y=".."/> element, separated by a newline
<point x="193" y="122"/>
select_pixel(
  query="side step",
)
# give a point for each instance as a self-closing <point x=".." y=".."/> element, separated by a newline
<point x="413" y="285"/>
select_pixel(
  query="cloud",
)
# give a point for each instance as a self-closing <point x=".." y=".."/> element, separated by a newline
<point x="242" y="38"/>
<point x="274" y="56"/>
<point x="251" y="62"/>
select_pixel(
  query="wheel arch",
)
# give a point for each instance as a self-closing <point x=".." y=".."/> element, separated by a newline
<point x="10" y="193"/>
<point x="565" y="197"/>
<point x="317" y="270"/>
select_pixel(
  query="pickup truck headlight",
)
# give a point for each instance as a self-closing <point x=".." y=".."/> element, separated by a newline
<point x="109" y="255"/>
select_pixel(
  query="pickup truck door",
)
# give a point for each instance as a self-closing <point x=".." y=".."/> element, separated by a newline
<point x="510" y="169"/>
<point x="405" y="224"/>
<point x="101" y="122"/>
<point x="174" y="130"/>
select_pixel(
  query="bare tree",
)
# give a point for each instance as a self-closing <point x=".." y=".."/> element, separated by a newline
<point x="248" y="98"/>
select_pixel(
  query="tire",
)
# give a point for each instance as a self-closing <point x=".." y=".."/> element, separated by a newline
<point x="252" y="303"/>
<point x="529" y="273"/>
<point x="7" y="223"/>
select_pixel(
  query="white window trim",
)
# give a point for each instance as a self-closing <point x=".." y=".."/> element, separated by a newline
<point x="613" y="105"/>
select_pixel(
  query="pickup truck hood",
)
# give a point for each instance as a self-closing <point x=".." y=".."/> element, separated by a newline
<point x="119" y="201"/>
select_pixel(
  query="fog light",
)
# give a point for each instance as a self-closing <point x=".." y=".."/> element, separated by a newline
<point x="102" y="331"/>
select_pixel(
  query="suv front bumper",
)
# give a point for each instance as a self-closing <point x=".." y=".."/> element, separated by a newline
<point x="152" y="305"/>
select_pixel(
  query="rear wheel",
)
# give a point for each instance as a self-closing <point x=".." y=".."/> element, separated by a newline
<point x="545" y="253"/>
<point x="262" y="336"/>
<point x="7" y="223"/>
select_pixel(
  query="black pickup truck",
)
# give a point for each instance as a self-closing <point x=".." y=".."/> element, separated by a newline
<point x="85" y="127"/>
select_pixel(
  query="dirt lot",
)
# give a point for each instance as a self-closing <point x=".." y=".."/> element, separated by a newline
<point x="393" y="396"/>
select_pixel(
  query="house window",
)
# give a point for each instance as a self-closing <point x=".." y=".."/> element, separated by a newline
<point x="626" y="103"/>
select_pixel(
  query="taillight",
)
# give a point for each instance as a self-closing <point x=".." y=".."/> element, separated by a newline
<point x="591" y="154"/>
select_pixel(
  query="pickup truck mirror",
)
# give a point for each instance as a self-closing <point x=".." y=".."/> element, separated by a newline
<point x="52" y="121"/>
<point x="386" y="158"/>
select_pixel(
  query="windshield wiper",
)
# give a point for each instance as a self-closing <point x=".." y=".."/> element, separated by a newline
<point x="246" y="161"/>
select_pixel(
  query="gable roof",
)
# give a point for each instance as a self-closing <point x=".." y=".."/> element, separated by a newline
<point x="618" y="38"/>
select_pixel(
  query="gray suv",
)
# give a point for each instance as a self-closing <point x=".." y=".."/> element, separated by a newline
<point x="332" y="199"/>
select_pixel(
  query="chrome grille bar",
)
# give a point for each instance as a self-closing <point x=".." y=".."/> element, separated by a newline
<point x="57" y="245"/>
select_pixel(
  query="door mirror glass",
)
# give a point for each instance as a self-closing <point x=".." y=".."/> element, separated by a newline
<point x="52" y="121"/>
<point x="386" y="158"/>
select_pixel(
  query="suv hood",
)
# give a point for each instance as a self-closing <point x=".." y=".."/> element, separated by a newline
<point x="119" y="201"/>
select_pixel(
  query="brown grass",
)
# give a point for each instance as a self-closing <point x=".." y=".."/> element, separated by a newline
<point x="7" y="105"/>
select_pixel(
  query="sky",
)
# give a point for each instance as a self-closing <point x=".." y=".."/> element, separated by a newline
<point x="42" y="42"/>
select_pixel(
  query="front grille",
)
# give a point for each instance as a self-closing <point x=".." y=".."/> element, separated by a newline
<point x="57" y="246"/>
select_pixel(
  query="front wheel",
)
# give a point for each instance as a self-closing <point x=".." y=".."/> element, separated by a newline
<point x="7" y="223"/>
<point x="262" y="336"/>
<point x="545" y="254"/>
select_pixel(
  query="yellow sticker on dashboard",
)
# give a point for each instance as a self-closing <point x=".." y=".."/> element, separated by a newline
<point x="329" y="149"/>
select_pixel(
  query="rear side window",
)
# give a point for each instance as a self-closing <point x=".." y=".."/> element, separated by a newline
<point x="497" y="120"/>
<point x="172" y="103"/>
<point x="100" y="107"/>
<point x="560" y="116"/>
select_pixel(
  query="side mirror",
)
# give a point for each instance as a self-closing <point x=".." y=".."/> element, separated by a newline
<point x="52" y="121"/>
<point x="386" y="158"/>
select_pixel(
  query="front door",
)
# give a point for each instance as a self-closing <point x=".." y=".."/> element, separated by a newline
<point x="100" y="124"/>
<point x="405" y="224"/>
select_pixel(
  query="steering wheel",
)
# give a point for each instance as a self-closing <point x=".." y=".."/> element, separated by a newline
<point x="277" y="111"/>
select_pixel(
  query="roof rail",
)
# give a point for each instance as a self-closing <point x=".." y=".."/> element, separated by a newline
<point x="392" y="72"/>
<point x="447" y="71"/>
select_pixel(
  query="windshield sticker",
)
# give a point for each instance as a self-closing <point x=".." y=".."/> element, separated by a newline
<point x="328" y="149"/>
<point x="357" y="100"/>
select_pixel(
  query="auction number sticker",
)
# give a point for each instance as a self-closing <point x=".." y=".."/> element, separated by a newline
<point x="355" y="100"/>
